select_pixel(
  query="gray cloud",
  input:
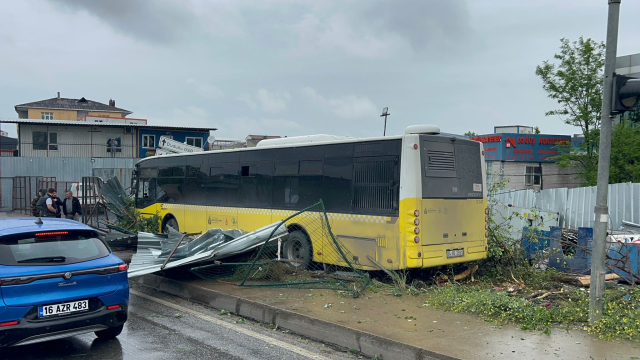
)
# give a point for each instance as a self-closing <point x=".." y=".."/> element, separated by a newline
<point x="421" y="22"/>
<point x="154" y="21"/>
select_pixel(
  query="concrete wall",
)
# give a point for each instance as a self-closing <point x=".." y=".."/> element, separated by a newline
<point x="107" y="114"/>
<point x="78" y="141"/>
<point x="553" y="176"/>
<point x="71" y="115"/>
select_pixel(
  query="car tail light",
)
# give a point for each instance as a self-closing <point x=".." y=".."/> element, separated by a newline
<point x="123" y="267"/>
<point x="113" y="307"/>
<point x="416" y="222"/>
<point x="416" y="230"/>
<point x="416" y="239"/>
<point x="52" y="233"/>
<point x="415" y="146"/>
<point x="9" y="323"/>
<point x="416" y="213"/>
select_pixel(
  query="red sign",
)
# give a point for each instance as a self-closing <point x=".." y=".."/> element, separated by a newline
<point x="488" y="139"/>
<point x="553" y="141"/>
<point x="510" y="142"/>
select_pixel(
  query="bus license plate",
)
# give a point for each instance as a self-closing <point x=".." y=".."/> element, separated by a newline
<point x="455" y="253"/>
<point x="63" y="309"/>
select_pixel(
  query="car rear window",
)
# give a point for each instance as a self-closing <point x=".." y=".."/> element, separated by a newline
<point x="51" y="248"/>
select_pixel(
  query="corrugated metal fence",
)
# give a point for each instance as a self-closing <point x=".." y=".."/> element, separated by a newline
<point x="576" y="205"/>
<point x="63" y="169"/>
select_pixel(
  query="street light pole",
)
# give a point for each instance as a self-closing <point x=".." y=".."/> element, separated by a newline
<point x="385" y="113"/>
<point x="598" y="256"/>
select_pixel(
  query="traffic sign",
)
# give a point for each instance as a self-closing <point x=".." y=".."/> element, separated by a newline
<point x="176" y="146"/>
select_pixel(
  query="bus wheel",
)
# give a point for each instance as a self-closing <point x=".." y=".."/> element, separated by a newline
<point x="298" y="249"/>
<point x="170" y="222"/>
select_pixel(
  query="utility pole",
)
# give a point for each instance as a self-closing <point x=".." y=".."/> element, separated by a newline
<point x="598" y="256"/>
<point x="385" y="113"/>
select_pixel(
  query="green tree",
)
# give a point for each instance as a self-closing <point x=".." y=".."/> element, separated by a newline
<point x="633" y="117"/>
<point x="625" y="154"/>
<point x="536" y="130"/>
<point x="470" y="133"/>
<point x="575" y="82"/>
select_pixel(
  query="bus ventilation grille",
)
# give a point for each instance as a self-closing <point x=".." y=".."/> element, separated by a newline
<point x="442" y="161"/>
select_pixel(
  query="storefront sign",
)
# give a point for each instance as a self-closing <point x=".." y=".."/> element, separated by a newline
<point x="519" y="147"/>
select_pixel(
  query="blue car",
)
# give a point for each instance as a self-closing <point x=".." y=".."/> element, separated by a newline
<point x="58" y="278"/>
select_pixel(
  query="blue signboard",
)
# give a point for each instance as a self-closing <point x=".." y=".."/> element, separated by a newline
<point x="522" y="147"/>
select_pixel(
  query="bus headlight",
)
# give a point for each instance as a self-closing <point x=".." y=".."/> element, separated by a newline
<point x="416" y="231"/>
<point x="416" y="222"/>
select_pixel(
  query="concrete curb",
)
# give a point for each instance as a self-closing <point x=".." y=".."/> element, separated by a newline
<point x="368" y="344"/>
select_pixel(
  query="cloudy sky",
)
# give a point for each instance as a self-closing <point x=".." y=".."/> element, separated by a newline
<point x="287" y="67"/>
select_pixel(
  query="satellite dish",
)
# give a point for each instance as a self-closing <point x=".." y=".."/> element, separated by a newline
<point x="211" y="139"/>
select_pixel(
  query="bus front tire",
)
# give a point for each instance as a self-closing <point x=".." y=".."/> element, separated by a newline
<point x="298" y="249"/>
<point x="170" y="222"/>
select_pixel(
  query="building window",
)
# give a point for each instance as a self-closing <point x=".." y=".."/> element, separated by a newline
<point x="46" y="116"/>
<point x="533" y="175"/>
<point x="43" y="140"/>
<point x="53" y="141"/>
<point x="194" y="141"/>
<point x="114" y="144"/>
<point x="149" y="141"/>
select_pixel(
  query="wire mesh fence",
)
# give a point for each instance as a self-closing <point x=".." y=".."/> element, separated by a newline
<point x="309" y="256"/>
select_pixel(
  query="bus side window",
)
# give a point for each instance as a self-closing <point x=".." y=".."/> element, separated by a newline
<point x="256" y="187"/>
<point x="374" y="185"/>
<point x="338" y="177"/>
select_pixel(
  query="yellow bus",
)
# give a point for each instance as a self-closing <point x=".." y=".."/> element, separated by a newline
<point x="411" y="201"/>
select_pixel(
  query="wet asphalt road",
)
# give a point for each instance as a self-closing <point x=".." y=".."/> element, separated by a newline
<point x="157" y="331"/>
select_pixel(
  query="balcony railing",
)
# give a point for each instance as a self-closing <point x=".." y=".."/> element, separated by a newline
<point x="79" y="149"/>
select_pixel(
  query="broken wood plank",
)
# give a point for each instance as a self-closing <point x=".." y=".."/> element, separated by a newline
<point x="466" y="273"/>
<point x="586" y="280"/>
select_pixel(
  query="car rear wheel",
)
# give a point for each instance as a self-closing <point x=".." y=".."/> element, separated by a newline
<point x="110" y="333"/>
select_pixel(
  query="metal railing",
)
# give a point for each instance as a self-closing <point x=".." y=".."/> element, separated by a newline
<point x="76" y="149"/>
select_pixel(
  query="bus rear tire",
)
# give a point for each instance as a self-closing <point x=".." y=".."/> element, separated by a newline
<point x="298" y="248"/>
<point x="170" y="221"/>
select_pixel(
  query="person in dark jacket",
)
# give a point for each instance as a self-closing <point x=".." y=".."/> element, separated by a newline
<point x="59" y="209"/>
<point x="34" y="203"/>
<point x="48" y="205"/>
<point x="71" y="206"/>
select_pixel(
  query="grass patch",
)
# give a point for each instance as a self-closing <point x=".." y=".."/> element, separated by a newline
<point x="621" y="316"/>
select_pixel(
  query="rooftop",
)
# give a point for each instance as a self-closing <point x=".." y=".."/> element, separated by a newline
<point x="81" y="104"/>
<point x="83" y="123"/>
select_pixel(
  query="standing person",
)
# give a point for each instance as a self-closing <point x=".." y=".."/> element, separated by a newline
<point x="47" y="205"/>
<point x="34" y="203"/>
<point x="59" y="206"/>
<point x="71" y="206"/>
<point x="111" y="144"/>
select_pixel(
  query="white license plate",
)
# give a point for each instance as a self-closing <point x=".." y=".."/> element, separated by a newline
<point x="63" y="309"/>
<point x="455" y="253"/>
